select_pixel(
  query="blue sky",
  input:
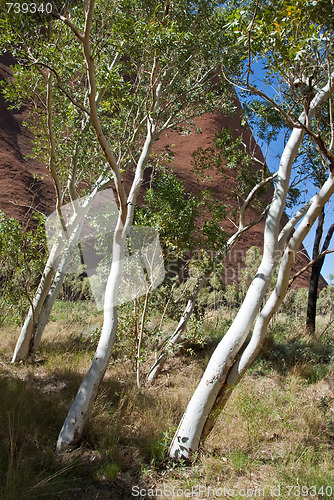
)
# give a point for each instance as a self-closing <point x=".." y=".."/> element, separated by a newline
<point x="273" y="162"/>
<point x="272" y="153"/>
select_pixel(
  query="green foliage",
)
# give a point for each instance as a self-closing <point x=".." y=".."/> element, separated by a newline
<point x="295" y="303"/>
<point x="232" y="149"/>
<point x="156" y="448"/>
<point x="267" y="120"/>
<point x="196" y="334"/>
<point x="109" y="471"/>
<point x="22" y="258"/>
<point x="288" y="34"/>
<point x="128" y="39"/>
<point x="75" y="288"/>
<point x="252" y="262"/>
<point x="287" y="58"/>
<point x="169" y="209"/>
<point x="325" y="303"/>
<point x="150" y="67"/>
<point x="229" y="154"/>
<point x="231" y="295"/>
<point x="213" y="212"/>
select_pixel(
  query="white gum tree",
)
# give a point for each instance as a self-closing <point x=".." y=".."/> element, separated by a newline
<point x="132" y="69"/>
<point x="116" y="101"/>
<point x="266" y="32"/>
<point x="170" y="78"/>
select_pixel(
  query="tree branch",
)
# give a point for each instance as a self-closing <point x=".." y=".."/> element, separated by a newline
<point x="309" y="264"/>
<point x="250" y="197"/>
<point x="92" y="97"/>
<point x="68" y="23"/>
<point x="52" y="147"/>
<point x="61" y="87"/>
<point x="283" y="236"/>
<point x="249" y="40"/>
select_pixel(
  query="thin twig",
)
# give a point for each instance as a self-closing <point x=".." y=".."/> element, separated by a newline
<point x="309" y="264"/>
<point x="249" y="40"/>
<point x="323" y="331"/>
<point x="61" y="86"/>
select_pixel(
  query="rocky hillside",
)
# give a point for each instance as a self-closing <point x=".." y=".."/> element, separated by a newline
<point x="183" y="147"/>
<point x="24" y="182"/>
<point x="26" y="186"/>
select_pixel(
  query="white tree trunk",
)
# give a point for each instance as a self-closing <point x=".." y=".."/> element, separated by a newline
<point x="191" y="428"/>
<point x="248" y="356"/>
<point x="24" y="343"/>
<point x="51" y="282"/>
<point x="48" y="303"/>
<point x="187" y="437"/>
<point x="77" y="416"/>
<point x="174" y="339"/>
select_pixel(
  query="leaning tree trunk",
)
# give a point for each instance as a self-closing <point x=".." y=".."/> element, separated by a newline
<point x="77" y="416"/>
<point x="315" y="273"/>
<point x="190" y="431"/>
<point x="52" y="280"/>
<point x="228" y="364"/>
<point x="23" y="346"/>
<point x="174" y="339"/>
<point x="248" y="356"/>
<point x="47" y="306"/>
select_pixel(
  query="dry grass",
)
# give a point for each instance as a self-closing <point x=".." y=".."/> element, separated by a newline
<point x="277" y="429"/>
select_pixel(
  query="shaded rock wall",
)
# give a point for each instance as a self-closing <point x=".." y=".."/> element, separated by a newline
<point x="183" y="147"/>
<point x="25" y="184"/>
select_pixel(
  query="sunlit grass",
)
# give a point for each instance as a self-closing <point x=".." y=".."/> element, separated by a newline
<point x="277" y="428"/>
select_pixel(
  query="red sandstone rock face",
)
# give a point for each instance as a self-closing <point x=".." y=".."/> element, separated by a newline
<point x="25" y="184"/>
<point x="210" y="125"/>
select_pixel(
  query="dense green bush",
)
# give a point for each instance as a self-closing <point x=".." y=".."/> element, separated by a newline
<point x="22" y="258"/>
<point x="326" y="301"/>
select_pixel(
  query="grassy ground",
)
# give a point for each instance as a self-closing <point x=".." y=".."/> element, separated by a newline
<point x="274" y="439"/>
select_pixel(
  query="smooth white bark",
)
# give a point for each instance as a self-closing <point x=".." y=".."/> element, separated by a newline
<point x="175" y="337"/>
<point x="77" y="416"/>
<point x="47" y="305"/>
<point x="52" y="280"/>
<point x="191" y="428"/>
<point x="24" y="342"/>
